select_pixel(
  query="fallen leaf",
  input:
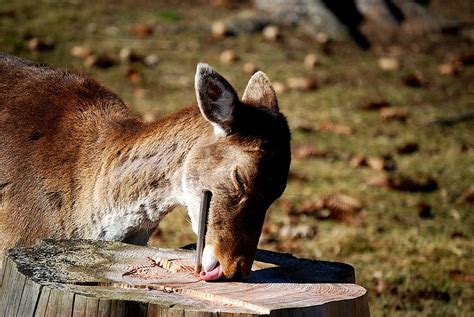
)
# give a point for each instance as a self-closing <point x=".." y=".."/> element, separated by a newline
<point x="467" y="196"/>
<point x="358" y="160"/>
<point x="408" y="148"/>
<point x="219" y="29"/>
<point x="375" y="105"/>
<point x="308" y="207"/>
<point x="304" y="128"/>
<point x="340" y="129"/>
<point x="298" y="231"/>
<point x="341" y="203"/>
<point x="404" y="183"/>
<point x="294" y="177"/>
<point x="269" y="233"/>
<point x="284" y="204"/>
<point x="338" y="207"/>
<point x="37" y="44"/>
<point x="228" y="57"/>
<point x="380" y="287"/>
<point x="302" y="151"/>
<point x="328" y="48"/>
<point x="376" y="163"/>
<point x="322" y="38"/>
<point x="279" y="87"/>
<point x="379" y="181"/>
<point x="449" y="69"/>
<point x="133" y="75"/>
<point x="100" y="61"/>
<point x="424" y="210"/>
<point x="465" y="147"/>
<point x="390" y="114"/>
<point x="311" y="61"/>
<point x="388" y="64"/>
<point x="429" y="293"/>
<point x="249" y="68"/>
<point x="301" y="83"/>
<point x="424" y="185"/>
<point x="380" y="163"/>
<point x="457" y="235"/>
<point x="465" y="58"/>
<point x="140" y="92"/>
<point x="141" y="30"/>
<point x="80" y="51"/>
<point x="128" y="55"/>
<point x="455" y="214"/>
<point x="288" y="245"/>
<point x="270" y="228"/>
<point x="271" y="32"/>
<point x="459" y="276"/>
<point x="224" y="3"/>
<point x="414" y="79"/>
<point x="151" y="60"/>
<point x="324" y="214"/>
<point x="149" y="116"/>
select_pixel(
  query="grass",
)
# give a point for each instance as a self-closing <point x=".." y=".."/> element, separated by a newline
<point x="406" y="262"/>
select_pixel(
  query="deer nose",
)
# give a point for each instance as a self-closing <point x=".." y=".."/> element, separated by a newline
<point x="209" y="260"/>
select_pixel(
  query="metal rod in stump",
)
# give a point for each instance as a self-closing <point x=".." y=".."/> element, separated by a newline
<point x="202" y="229"/>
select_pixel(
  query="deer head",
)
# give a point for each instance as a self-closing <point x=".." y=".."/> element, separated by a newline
<point x="244" y="163"/>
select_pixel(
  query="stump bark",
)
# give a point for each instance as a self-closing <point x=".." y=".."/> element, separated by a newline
<point x="97" y="278"/>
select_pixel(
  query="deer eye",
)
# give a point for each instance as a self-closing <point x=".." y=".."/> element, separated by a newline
<point x="238" y="181"/>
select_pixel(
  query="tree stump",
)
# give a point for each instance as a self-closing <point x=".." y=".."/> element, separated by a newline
<point x="97" y="278"/>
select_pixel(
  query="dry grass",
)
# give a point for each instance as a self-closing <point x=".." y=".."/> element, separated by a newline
<point x="411" y="264"/>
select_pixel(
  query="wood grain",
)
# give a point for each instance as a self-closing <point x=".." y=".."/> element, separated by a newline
<point x="92" y="278"/>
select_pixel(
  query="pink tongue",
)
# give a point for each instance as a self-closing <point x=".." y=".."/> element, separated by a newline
<point x="213" y="275"/>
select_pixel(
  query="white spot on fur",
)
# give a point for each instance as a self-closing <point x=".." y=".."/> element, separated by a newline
<point x="189" y="201"/>
<point x="209" y="260"/>
<point x="115" y="225"/>
<point x="129" y="219"/>
<point x="218" y="131"/>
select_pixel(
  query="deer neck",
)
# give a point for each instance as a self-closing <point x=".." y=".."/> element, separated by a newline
<point x="140" y="181"/>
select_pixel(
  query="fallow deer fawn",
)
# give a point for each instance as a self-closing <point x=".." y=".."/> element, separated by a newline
<point x="75" y="163"/>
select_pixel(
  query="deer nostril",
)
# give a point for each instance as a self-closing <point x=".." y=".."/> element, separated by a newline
<point x="242" y="272"/>
<point x="245" y="273"/>
<point x="238" y="273"/>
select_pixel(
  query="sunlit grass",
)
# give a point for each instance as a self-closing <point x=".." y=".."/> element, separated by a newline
<point x="411" y="255"/>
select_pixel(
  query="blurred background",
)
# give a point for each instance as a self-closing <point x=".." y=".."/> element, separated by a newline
<point x="379" y="95"/>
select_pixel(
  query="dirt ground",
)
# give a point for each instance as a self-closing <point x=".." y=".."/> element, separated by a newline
<point x="378" y="179"/>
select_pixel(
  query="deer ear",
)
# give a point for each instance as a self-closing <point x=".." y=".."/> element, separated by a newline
<point x="216" y="98"/>
<point x="259" y="92"/>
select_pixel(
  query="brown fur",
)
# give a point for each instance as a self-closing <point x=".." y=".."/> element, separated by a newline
<point x="71" y="155"/>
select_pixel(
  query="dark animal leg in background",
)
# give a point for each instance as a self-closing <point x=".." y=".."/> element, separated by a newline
<point x="395" y="11"/>
<point x="348" y="14"/>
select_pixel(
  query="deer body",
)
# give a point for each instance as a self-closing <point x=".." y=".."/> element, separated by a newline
<point x="75" y="163"/>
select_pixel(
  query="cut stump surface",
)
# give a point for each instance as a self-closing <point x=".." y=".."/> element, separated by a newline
<point x="97" y="278"/>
